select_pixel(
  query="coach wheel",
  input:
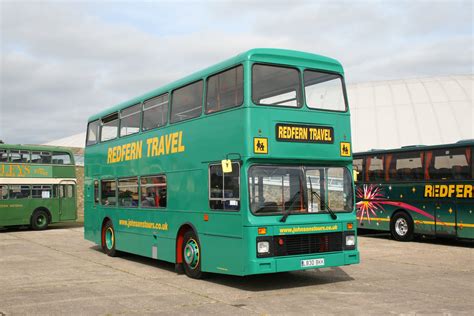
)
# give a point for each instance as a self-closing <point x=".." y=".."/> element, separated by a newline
<point x="39" y="220"/>
<point x="192" y="255"/>
<point x="401" y="227"/>
<point x="108" y="239"/>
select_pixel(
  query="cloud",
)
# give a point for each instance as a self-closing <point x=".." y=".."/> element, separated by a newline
<point x="62" y="62"/>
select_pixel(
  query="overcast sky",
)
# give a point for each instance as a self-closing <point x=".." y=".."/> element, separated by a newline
<point x="62" y="61"/>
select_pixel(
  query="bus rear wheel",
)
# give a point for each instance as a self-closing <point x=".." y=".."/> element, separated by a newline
<point x="108" y="239"/>
<point x="401" y="227"/>
<point x="39" y="220"/>
<point x="192" y="255"/>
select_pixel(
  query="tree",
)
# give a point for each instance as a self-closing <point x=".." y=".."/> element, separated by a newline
<point x="1" y="142"/>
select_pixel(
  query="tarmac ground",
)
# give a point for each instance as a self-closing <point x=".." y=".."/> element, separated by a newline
<point x="57" y="272"/>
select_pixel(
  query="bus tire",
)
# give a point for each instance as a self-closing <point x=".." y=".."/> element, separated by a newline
<point x="39" y="219"/>
<point x="192" y="255"/>
<point x="401" y="227"/>
<point x="108" y="239"/>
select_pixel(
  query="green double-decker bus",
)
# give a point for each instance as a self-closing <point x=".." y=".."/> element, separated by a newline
<point x="425" y="190"/>
<point x="37" y="186"/>
<point x="242" y="168"/>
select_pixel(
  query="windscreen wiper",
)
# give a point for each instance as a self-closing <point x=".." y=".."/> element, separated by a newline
<point x="288" y="210"/>
<point x="331" y="212"/>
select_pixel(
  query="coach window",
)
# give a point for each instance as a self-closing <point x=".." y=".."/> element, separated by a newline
<point x="109" y="127"/>
<point x="19" y="192"/>
<point x="450" y="164"/>
<point x="3" y="155"/>
<point x="374" y="168"/>
<point x="278" y="86"/>
<point x="108" y="194"/>
<point x="225" y="90"/>
<point x="186" y="102"/>
<point x="19" y="156"/>
<point x="61" y="159"/>
<point x="153" y="191"/>
<point x="93" y="133"/>
<point x="324" y="91"/>
<point x="3" y="192"/>
<point x="408" y="166"/>
<point x="224" y="188"/>
<point x="96" y="192"/>
<point x="155" y="112"/>
<point x="128" y="192"/>
<point x="130" y="120"/>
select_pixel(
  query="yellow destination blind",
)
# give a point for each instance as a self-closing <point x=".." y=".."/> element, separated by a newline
<point x="24" y="170"/>
<point x="304" y="133"/>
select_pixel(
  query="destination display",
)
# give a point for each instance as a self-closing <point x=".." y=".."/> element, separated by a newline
<point x="304" y="133"/>
<point x="25" y="170"/>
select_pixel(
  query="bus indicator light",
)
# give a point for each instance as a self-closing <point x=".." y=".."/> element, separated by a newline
<point x="350" y="225"/>
<point x="206" y="217"/>
<point x="262" y="230"/>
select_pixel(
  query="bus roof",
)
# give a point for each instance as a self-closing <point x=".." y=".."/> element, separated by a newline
<point x="273" y="54"/>
<point x="461" y="143"/>
<point x="35" y="147"/>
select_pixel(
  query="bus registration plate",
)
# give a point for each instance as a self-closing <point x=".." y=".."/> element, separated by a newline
<point x="312" y="263"/>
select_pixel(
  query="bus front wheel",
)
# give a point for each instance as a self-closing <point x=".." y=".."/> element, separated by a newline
<point x="192" y="255"/>
<point x="39" y="220"/>
<point x="108" y="239"/>
<point x="401" y="227"/>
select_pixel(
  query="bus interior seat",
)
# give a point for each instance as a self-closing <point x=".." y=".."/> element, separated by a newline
<point x="418" y="173"/>
<point x="460" y="172"/>
<point x="404" y="174"/>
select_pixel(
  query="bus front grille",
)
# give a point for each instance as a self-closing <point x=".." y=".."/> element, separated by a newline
<point x="307" y="243"/>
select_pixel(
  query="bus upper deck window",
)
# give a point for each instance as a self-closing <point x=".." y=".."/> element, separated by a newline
<point x="324" y="91"/>
<point x="3" y="155"/>
<point x="93" y="133"/>
<point x="277" y="86"/>
<point x="109" y="129"/>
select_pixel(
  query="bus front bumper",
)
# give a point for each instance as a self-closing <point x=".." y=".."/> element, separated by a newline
<point x="304" y="262"/>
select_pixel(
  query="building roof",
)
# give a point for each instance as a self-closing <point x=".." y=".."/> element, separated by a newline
<point x="422" y="111"/>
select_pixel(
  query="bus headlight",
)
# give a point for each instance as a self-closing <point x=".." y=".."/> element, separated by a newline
<point x="350" y="240"/>
<point x="263" y="247"/>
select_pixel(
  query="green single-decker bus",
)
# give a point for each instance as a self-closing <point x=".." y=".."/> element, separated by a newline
<point x="242" y="168"/>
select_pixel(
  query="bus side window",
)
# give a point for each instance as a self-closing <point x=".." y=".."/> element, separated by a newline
<point x="224" y="188"/>
<point x="96" y="192"/>
<point x="153" y="191"/>
<point x="108" y="194"/>
<point x="3" y="192"/>
<point x="450" y="164"/>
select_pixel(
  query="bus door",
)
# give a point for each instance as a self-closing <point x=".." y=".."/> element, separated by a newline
<point x="445" y="215"/>
<point x="67" y="200"/>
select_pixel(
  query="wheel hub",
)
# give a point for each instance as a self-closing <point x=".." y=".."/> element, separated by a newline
<point x="191" y="253"/>
<point x="401" y="227"/>
<point x="109" y="238"/>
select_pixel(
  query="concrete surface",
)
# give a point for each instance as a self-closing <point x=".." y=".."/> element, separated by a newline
<point x="57" y="272"/>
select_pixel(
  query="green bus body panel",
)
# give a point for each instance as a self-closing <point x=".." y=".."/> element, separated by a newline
<point x="15" y="212"/>
<point x="228" y="238"/>
<point x="448" y="216"/>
